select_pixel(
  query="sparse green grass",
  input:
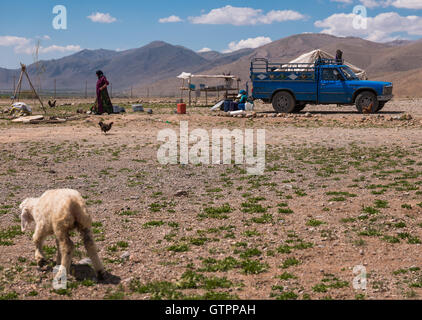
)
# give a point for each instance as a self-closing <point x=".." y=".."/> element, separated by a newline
<point x="314" y="223"/>
<point x="7" y="235"/>
<point x="265" y="218"/>
<point x="290" y="262"/>
<point x="153" y="223"/>
<point x="9" y="296"/>
<point x="219" y="213"/>
<point x="286" y="276"/>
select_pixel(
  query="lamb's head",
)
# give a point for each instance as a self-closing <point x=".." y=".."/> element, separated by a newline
<point x="27" y="207"/>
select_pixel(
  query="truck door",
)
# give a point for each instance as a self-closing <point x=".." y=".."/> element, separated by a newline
<point x="332" y="86"/>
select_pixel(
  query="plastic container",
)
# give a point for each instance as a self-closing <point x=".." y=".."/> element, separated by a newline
<point x="181" y="108"/>
<point x="137" y="108"/>
<point x="249" y="106"/>
<point x="118" y="109"/>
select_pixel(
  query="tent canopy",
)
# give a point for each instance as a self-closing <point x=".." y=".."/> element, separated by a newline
<point x="185" y="75"/>
<point x="314" y="55"/>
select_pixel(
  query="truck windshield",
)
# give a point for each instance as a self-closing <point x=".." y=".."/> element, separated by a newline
<point x="349" y="74"/>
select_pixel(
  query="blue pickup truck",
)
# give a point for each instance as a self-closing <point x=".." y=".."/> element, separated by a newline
<point x="290" y="87"/>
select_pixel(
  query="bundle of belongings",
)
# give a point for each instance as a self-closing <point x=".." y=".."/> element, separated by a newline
<point x="241" y="103"/>
<point x="19" y="109"/>
<point x="316" y="55"/>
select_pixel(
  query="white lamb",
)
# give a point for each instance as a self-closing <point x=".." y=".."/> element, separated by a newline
<point x="58" y="212"/>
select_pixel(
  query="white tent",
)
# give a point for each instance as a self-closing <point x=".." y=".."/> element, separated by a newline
<point x="313" y="56"/>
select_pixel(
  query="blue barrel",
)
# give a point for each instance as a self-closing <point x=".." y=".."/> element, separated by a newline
<point x="227" y="105"/>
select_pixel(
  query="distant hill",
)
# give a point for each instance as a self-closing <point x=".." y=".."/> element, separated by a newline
<point x="156" y="65"/>
<point x="382" y="61"/>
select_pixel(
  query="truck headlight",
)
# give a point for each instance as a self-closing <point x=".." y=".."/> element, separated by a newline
<point x="387" y="91"/>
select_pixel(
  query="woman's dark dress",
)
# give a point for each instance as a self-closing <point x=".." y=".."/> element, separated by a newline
<point x="103" y="99"/>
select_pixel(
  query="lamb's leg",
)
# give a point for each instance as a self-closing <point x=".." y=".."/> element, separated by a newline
<point x="38" y="238"/>
<point x="66" y="249"/>
<point x="59" y="253"/>
<point x="92" y="251"/>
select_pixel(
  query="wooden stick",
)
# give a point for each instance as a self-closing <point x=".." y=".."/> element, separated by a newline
<point x="33" y="89"/>
<point x="18" y="88"/>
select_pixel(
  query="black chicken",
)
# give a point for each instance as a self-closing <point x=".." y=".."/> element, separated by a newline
<point x="105" y="127"/>
<point x="52" y="104"/>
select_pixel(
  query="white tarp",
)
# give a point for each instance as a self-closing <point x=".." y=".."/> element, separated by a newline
<point x="313" y="56"/>
<point x="20" y="108"/>
<point x="184" y="75"/>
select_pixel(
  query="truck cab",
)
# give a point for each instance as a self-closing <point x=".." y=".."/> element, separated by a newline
<point x="290" y="87"/>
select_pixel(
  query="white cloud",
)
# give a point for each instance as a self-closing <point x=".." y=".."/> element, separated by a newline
<point x="20" y="45"/>
<point x="45" y="37"/>
<point x="204" y="50"/>
<point x="343" y="1"/>
<point x="101" y="17"/>
<point x="170" y="19"/>
<point x="248" y="43"/>
<point x="403" y="4"/>
<point x="27" y="46"/>
<point x="12" y="41"/>
<point x="380" y="28"/>
<point x="242" y="16"/>
<point x="376" y="3"/>
<point x="408" y="4"/>
<point x="61" y="49"/>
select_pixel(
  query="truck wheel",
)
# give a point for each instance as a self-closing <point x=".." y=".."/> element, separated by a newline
<point x="299" y="107"/>
<point x="381" y="105"/>
<point x="367" y="102"/>
<point x="283" y="102"/>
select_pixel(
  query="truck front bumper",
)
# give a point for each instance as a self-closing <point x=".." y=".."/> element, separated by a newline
<point x="385" y="98"/>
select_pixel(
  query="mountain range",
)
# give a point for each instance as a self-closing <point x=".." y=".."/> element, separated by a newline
<point x="154" y="67"/>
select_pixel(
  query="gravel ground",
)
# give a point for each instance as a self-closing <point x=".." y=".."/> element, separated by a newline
<point x="340" y="190"/>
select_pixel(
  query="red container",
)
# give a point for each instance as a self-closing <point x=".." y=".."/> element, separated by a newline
<point x="181" y="108"/>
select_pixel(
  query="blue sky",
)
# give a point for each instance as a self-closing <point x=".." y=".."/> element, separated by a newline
<point x="217" y="25"/>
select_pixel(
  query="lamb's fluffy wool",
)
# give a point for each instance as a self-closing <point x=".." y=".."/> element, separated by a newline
<point x="57" y="212"/>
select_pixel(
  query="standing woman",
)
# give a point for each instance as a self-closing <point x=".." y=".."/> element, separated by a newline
<point x="103" y="99"/>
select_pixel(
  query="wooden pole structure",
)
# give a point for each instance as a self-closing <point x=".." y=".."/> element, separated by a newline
<point x="131" y="92"/>
<point x="55" y="88"/>
<point x="86" y="89"/>
<point x="18" y="88"/>
<point x="17" y="93"/>
<point x="111" y="90"/>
